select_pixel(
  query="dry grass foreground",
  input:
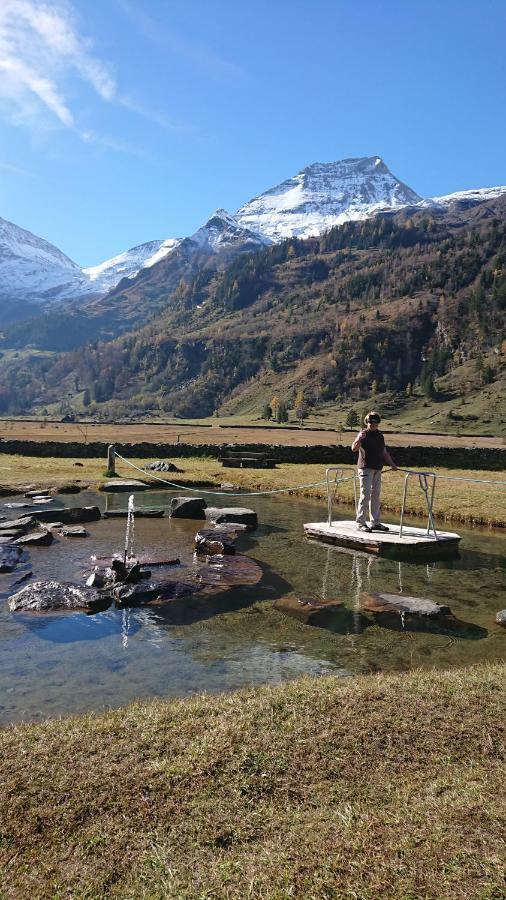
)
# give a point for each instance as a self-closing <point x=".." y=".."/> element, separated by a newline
<point x="455" y="501"/>
<point x="379" y="786"/>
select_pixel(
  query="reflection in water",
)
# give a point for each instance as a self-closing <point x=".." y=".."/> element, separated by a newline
<point x="60" y="662"/>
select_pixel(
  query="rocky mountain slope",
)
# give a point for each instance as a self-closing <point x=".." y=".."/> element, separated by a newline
<point x="405" y="302"/>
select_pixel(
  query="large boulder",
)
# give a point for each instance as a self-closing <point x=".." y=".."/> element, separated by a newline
<point x="234" y="514"/>
<point x="161" y="465"/>
<point x="47" y="595"/>
<point x="187" y="508"/>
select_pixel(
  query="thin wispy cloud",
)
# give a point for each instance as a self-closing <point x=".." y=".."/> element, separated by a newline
<point x="15" y="170"/>
<point x="42" y="51"/>
<point x="197" y="55"/>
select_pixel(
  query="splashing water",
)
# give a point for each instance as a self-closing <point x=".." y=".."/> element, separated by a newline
<point x="130" y="529"/>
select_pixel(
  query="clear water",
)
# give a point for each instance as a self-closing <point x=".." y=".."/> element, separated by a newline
<point x="52" y="664"/>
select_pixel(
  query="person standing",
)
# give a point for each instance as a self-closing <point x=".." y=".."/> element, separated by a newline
<point x="372" y="455"/>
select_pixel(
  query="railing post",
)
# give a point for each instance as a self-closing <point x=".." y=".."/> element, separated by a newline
<point x="403" y="502"/>
<point x="111" y="460"/>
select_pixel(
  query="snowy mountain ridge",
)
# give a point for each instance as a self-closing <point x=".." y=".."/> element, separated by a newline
<point x="317" y="198"/>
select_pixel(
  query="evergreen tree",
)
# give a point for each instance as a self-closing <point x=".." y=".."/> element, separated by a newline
<point x="352" y="419"/>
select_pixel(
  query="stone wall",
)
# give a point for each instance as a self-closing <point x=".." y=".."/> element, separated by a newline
<point x="412" y="457"/>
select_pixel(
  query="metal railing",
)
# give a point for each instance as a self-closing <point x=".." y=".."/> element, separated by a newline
<point x="423" y="480"/>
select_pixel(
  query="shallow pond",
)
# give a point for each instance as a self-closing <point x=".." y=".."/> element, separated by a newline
<point x="56" y="663"/>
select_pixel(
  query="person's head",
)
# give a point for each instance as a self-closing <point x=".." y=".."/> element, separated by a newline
<point x="372" y="420"/>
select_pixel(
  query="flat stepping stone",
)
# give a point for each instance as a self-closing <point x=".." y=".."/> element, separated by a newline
<point x="500" y="617"/>
<point x="401" y="603"/>
<point x="120" y="485"/>
<point x="22" y="524"/>
<point x="241" y="515"/>
<point x="18" y="505"/>
<point x="145" y="513"/>
<point x="46" y="595"/>
<point x="73" y="531"/>
<point x="72" y="515"/>
<point x="41" y="538"/>
<point x="188" y="508"/>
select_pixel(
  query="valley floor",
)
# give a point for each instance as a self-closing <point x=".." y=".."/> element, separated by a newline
<point x="233" y="430"/>
<point x="376" y="786"/>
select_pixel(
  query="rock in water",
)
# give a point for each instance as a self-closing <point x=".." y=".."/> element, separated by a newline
<point x="187" y="508"/>
<point x="10" y="556"/>
<point x="42" y="538"/>
<point x="312" y="611"/>
<point x="401" y="603"/>
<point x="233" y="514"/>
<point x="73" y="531"/>
<point x="121" y="484"/>
<point x="70" y="515"/>
<point x="46" y="595"/>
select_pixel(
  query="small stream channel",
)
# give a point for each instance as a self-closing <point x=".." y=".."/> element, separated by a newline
<point x="57" y="663"/>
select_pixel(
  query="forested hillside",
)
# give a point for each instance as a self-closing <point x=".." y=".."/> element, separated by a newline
<point x="412" y="302"/>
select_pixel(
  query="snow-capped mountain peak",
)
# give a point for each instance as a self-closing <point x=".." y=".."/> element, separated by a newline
<point x="326" y="194"/>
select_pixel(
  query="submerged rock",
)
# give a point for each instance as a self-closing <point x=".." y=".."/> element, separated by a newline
<point x="46" y="595"/>
<point x="187" y="508"/>
<point x="401" y="603"/>
<point x="234" y="514"/>
<point x="311" y="610"/>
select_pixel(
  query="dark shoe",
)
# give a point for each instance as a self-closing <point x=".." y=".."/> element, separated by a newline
<point x="379" y="527"/>
<point x="364" y="528"/>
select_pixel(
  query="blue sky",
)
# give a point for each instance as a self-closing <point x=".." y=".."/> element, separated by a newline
<point x="122" y="121"/>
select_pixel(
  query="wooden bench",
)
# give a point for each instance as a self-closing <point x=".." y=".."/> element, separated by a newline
<point x="244" y="459"/>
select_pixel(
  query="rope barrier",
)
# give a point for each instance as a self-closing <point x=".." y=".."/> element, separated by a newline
<point x="297" y="487"/>
<point x="183" y="487"/>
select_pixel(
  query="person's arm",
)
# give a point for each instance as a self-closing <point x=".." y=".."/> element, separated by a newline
<point x="388" y="459"/>
<point x="358" y="440"/>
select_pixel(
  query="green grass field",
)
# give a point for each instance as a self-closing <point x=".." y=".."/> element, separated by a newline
<point x="378" y="786"/>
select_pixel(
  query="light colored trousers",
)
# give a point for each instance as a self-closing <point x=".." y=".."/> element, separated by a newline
<point x="370" y="490"/>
